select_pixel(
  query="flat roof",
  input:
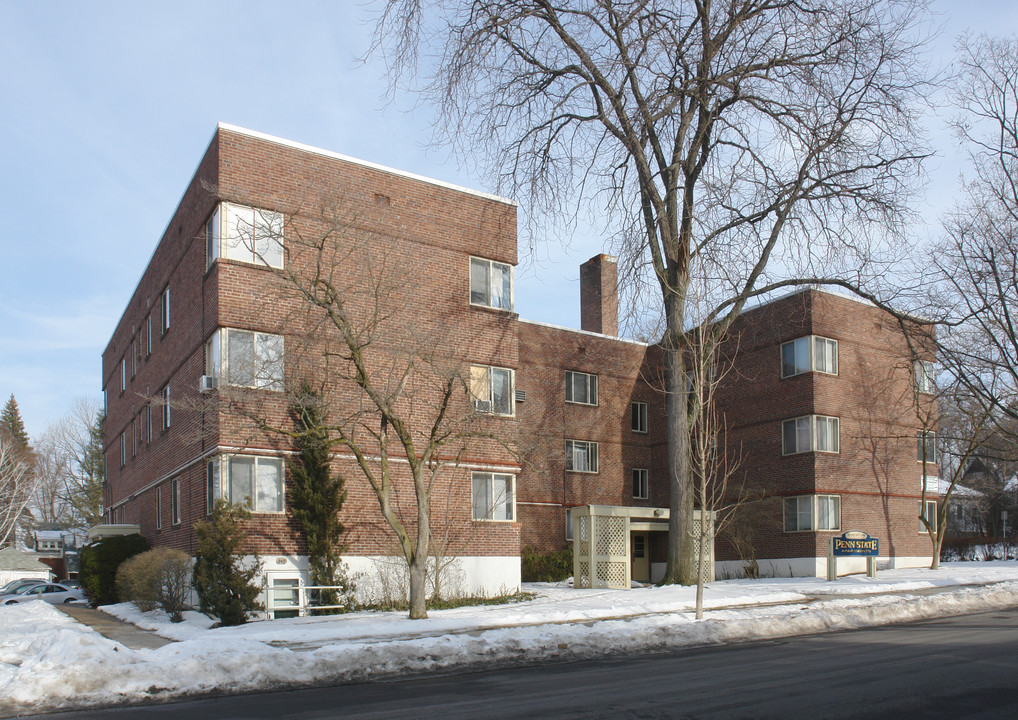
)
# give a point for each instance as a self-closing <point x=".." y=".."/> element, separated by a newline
<point x="364" y="163"/>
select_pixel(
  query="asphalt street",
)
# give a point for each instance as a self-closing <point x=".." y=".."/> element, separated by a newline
<point x="961" y="667"/>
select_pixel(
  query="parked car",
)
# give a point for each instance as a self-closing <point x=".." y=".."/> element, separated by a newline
<point x="50" y="592"/>
<point x="17" y="585"/>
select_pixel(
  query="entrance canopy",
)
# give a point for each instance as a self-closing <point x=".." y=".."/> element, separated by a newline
<point x="602" y="552"/>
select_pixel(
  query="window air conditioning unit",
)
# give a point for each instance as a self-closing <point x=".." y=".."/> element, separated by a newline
<point x="483" y="406"/>
<point x="207" y="383"/>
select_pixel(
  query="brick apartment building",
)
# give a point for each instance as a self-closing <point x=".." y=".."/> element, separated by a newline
<point x="820" y="400"/>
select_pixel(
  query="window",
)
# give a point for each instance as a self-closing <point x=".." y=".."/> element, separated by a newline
<point x="134" y="438"/>
<point x="925" y="376"/>
<point x="134" y="358"/>
<point x="491" y="284"/>
<point x="639" y="411"/>
<point x="808" y="433"/>
<point x="245" y="358"/>
<point x="238" y="232"/>
<point x="930" y="514"/>
<point x="492" y="389"/>
<point x="148" y="421"/>
<point x="123" y="375"/>
<point x="256" y="482"/>
<point x="175" y="501"/>
<point x="148" y="336"/>
<point x="641" y="486"/>
<point x="581" y="456"/>
<point x="159" y="507"/>
<point x="569" y="523"/>
<point x="810" y="353"/>
<point x="926" y="446"/>
<point x="164" y="311"/>
<point x="166" y="408"/>
<point x="581" y="388"/>
<point x="123" y="450"/>
<point x="493" y="496"/>
<point x="808" y="512"/>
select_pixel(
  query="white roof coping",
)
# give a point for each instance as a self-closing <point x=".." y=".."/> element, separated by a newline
<point x="586" y="332"/>
<point x="364" y="163"/>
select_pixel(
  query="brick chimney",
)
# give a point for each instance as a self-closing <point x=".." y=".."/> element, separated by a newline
<point x="599" y="295"/>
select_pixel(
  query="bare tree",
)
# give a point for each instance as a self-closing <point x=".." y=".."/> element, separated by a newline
<point x="753" y="143"/>
<point x="978" y="260"/>
<point x="966" y="430"/>
<point x="17" y="485"/>
<point x="397" y="394"/>
<point x="75" y="446"/>
<point x="51" y="462"/>
<point x="712" y="462"/>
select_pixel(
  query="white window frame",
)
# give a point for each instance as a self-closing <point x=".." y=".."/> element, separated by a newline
<point x="148" y="334"/>
<point x="219" y="468"/>
<point x="638" y="416"/>
<point x="812" y="423"/>
<point x="134" y="438"/>
<point x="929" y="439"/>
<point x="489" y="299"/>
<point x="217" y="359"/>
<point x="123" y="450"/>
<point x="482" y="390"/>
<point x="812" y="344"/>
<point x="498" y="510"/>
<point x="930" y="514"/>
<point x="809" y="507"/>
<point x="641" y="483"/>
<point x="569" y="523"/>
<point x="166" y="408"/>
<point x="175" y="514"/>
<point x="134" y="358"/>
<point x="589" y="380"/>
<point x="924" y="374"/>
<point x="123" y="375"/>
<point x="586" y="447"/>
<point x="241" y="244"/>
<point x="164" y="311"/>
<point x="159" y="507"/>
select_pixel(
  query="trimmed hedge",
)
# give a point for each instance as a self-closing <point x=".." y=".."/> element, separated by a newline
<point x="553" y="566"/>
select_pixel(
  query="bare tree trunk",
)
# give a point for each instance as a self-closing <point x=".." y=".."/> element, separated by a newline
<point x="680" y="545"/>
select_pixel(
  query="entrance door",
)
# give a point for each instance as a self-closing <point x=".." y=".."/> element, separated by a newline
<point x="640" y="560"/>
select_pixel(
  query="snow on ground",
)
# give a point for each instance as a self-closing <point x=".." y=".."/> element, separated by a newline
<point x="48" y="661"/>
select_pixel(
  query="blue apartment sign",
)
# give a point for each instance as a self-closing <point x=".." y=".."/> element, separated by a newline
<point x="857" y="544"/>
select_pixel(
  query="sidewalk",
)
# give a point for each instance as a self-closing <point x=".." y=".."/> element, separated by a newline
<point x="117" y="630"/>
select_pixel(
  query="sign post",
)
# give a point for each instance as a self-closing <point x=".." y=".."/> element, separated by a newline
<point x="853" y="543"/>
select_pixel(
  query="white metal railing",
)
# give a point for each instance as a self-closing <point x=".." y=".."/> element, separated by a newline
<point x="297" y="597"/>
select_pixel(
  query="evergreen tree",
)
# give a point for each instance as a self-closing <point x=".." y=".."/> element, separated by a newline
<point x="10" y="419"/>
<point x="223" y="583"/>
<point x="317" y="496"/>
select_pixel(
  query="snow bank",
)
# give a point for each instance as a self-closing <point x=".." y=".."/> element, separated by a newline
<point x="49" y="661"/>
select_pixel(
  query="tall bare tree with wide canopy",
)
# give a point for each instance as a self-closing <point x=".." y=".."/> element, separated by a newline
<point x="755" y="143"/>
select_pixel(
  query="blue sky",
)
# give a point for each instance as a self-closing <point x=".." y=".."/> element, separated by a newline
<point x="107" y="107"/>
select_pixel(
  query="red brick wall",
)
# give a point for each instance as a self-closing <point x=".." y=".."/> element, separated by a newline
<point x="547" y="421"/>
<point x="418" y="237"/>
